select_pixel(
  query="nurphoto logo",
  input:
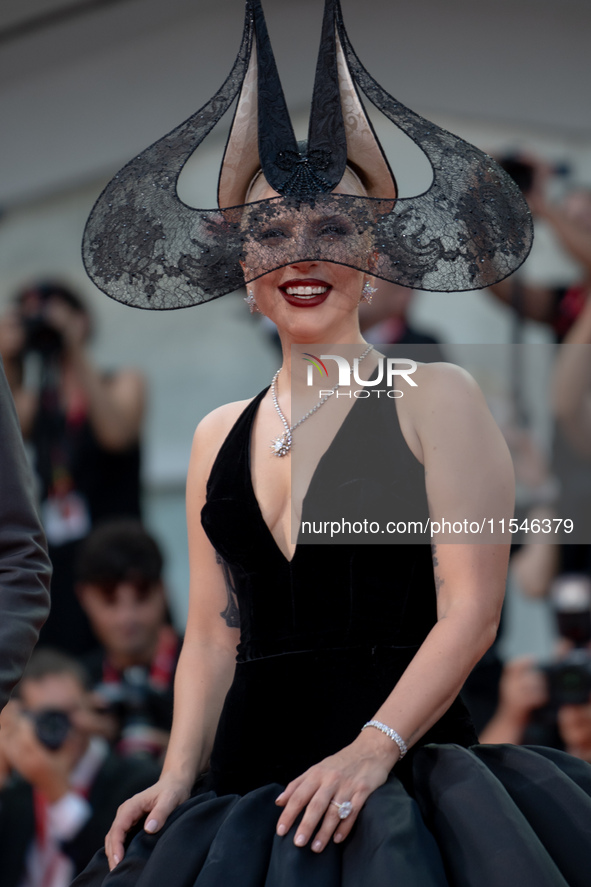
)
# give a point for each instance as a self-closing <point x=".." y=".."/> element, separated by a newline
<point x="388" y="370"/>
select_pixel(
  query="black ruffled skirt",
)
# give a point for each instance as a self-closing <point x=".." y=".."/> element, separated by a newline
<point x="488" y="816"/>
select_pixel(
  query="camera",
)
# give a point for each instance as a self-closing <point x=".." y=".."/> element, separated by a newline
<point x="33" y="306"/>
<point x="569" y="681"/>
<point x="522" y="171"/>
<point x="52" y="727"/>
<point x="137" y="707"/>
<point x="40" y="336"/>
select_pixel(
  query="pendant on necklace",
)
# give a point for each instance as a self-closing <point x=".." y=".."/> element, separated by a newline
<point x="280" y="446"/>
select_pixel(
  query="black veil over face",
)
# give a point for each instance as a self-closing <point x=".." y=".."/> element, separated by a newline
<point x="144" y="247"/>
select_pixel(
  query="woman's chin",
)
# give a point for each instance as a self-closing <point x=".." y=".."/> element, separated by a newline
<point x="302" y="333"/>
<point x="320" y="324"/>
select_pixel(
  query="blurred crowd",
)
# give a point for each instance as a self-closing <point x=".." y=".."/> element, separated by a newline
<point x="82" y="733"/>
<point x="549" y="703"/>
<point x="90" y="720"/>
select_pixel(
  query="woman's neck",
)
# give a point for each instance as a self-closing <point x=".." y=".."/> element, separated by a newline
<point x="289" y="344"/>
<point x="298" y="377"/>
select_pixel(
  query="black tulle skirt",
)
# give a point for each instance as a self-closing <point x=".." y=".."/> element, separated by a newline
<point x="488" y="816"/>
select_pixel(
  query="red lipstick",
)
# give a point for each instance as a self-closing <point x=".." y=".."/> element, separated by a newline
<point x="305" y="292"/>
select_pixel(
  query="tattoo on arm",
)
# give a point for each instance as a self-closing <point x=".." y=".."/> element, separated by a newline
<point x="438" y="580"/>
<point x="231" y="614"/>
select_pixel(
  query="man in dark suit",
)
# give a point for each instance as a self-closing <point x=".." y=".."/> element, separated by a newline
<point x="25" y="569"/>
<point x="66" y="785"/>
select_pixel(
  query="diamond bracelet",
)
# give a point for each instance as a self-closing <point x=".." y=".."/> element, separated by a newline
<point x="394" y="736"/>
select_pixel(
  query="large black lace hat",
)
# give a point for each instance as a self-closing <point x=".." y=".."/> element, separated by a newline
<point x="145" y="247"/>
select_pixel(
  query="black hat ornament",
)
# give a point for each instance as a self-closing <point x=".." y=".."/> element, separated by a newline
<point x="145" y="247"/>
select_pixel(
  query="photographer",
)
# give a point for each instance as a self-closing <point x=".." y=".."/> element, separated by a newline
<point x="84" y="428"/>
<point x="66" y="784"/>
<point x="570" y="222"/>
<point x="566" y="311"/>
<point x="120" y="587"/>
<point x="551" y="704"/>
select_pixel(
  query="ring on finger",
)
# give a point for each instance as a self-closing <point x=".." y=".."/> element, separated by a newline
<point x="345" y="808"/>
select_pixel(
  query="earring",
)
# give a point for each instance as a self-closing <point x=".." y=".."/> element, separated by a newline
<point x="250" y="301"/>
<point x="367" y="292"/>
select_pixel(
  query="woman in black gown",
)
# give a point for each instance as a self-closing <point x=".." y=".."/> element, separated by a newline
<point x="290" y="650"/>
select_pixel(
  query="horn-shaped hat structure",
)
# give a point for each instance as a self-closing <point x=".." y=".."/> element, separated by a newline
<point x="339" y="132"/>
<point x="145" y="247"/>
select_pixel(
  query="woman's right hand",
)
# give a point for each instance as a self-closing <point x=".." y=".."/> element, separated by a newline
<point x="155" y="803"/>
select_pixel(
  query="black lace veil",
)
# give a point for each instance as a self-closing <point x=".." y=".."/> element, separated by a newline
<point x="145" y="247"/>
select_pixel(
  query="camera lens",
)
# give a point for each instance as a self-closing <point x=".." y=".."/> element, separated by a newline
<point x="570" y="596"/>
<point x="52" y="727"/>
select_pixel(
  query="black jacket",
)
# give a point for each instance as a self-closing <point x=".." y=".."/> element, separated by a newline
<point x="25" y="569"/>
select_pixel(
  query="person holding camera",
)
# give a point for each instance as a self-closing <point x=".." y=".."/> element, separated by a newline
<point x="84" y="428"/>
<point x="524" y="714"/>
<point x="65" y="785"/>
<point x="571" y="391"/>
<point x="550" y="704"/>
<point x="120" y="587"/>
<point x="570" y="222"/>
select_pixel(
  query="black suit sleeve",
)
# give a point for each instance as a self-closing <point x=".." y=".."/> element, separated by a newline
<point x="17" y="830"/>
<point x="25" y="568"/>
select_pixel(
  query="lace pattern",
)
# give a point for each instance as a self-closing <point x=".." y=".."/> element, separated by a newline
<point x="144" y="247"/>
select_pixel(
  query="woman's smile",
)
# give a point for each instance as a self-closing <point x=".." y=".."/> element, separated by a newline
<point x="305" y="292"/>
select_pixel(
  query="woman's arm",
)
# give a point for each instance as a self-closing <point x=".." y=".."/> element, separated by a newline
<point x="571" y="383"/>
<point x="566" y="218"/>
<point x="574" y="237"/>
<point x="207" y="661"/>
<point x="468" y="474"/>
<point x="116" y="404"/>
<point x="468" y="477"/>
<point x="522" y="689"/>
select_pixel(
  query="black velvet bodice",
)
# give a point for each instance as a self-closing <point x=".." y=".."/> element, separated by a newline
<point x="329" y="594"/>
<point x="325" y="636"/>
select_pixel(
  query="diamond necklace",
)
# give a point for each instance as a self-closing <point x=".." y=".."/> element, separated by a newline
<point x="280" y="446"/>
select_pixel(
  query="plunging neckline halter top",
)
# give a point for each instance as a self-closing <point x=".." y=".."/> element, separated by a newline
<point x="343" y="430"/>
<point x="325" y="635"/>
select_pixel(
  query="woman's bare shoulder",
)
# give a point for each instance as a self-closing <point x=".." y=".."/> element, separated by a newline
<point x="444" y="395"/>
<point x="438" y="387"/>
<point x="213" y="429"/>
<point x="440" y="374"/>
<point x="220" y="421"/>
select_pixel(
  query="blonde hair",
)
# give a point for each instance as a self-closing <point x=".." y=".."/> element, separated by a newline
<point x="350" y="182"/>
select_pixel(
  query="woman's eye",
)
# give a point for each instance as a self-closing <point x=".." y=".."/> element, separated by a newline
<point x="273" y="233"/>
<point x="333" y="229"/>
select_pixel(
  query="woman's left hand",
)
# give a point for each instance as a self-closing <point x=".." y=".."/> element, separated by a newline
<point x="351" y="774"/>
